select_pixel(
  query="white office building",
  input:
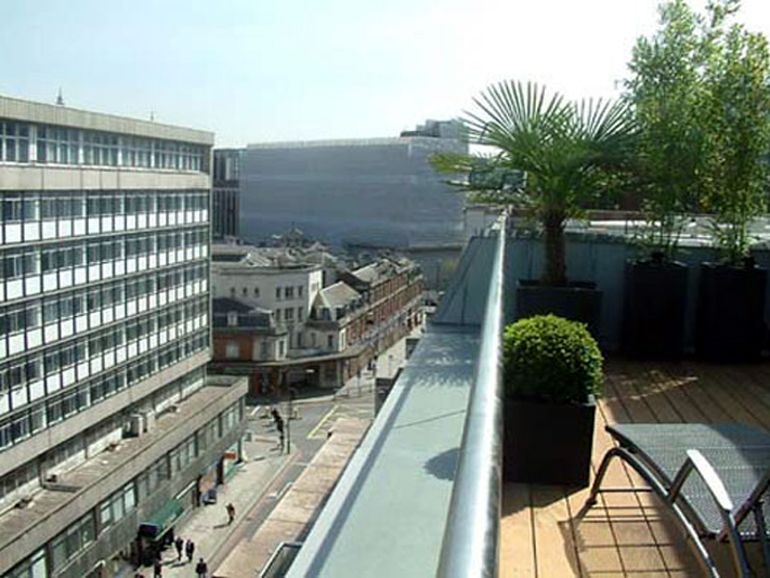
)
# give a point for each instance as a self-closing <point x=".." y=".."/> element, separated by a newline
<point x="110" y="431"/>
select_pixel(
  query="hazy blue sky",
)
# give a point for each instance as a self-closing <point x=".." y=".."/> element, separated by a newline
<point x="266" y="70"/>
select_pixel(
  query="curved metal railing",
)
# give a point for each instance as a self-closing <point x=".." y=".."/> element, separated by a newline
<point x="471" y="537"/>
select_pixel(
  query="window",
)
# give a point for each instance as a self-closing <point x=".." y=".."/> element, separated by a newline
<point x="278" y="293"/>
<point x="67" y="544"/>
<point x="256" y="292"/>
<point x="232" y="350"/>
<point x="32" y="567"/>
<point x="15" y="136"/>
<point x="18" y="264"/>
<point x="330" y="341"/>
<point x="281" y="347"/>
<point x="300" y="313"/>
<point x="117" y="506"/>
<point x="288" y="314"/>
<point x="58" y="145"/>
<point x="300" y="288"/>
<point x="289" y="292"/>
<point x="277" y="315"/>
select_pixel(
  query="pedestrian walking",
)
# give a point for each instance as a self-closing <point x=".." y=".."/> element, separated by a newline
<point x="279" y="427"/>
<point x="158" y="568"/>
<point x="179" y="545"/>
<point x="190" y="550"/>
<point x="201" y="569"/>
<point x="230" y="513"/>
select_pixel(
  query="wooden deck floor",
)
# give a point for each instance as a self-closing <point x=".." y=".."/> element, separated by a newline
<point x="630" y="534"/>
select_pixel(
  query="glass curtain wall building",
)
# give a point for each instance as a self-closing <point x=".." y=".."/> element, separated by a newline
<point x="104" y="337"/>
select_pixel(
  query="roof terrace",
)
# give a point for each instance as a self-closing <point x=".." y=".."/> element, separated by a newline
<point x="423" y="495"/>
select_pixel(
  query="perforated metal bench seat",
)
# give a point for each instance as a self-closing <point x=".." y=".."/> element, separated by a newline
<point x="714" y="477"/>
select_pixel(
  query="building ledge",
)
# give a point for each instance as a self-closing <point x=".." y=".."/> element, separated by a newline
<point x="411" y="448"/>
<point x="92" y="481"/>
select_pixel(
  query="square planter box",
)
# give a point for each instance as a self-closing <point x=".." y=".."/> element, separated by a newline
<point x="578" y="301"/>
<point x="655" y="303"/>
<point x="547" y="443"/>
<point x="731" y="312"/>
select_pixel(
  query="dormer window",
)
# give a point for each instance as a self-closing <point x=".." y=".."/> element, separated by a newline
<point x="232" y="319"/>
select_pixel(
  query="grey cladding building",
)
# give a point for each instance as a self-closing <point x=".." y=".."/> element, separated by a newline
<point x="363" y="192"/>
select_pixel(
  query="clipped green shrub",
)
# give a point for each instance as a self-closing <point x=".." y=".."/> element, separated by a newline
<point x="548" y="358"/>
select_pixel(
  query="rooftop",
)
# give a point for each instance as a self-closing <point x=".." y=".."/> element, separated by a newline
<point x="337" y="295"/>
<point x="626" y="534"/>
<point x="86" y="478"/>
<point x="421" y="497"/>
<point x="31" y="111"/>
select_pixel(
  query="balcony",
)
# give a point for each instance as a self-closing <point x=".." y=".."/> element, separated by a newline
<point x="423" y="496"/>
<point x="627" y="534"/>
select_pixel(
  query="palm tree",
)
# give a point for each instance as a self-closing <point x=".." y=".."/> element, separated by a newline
<point x="568" y="152"/>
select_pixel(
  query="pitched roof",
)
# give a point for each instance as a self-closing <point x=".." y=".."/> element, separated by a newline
<point x="337" y="295"/>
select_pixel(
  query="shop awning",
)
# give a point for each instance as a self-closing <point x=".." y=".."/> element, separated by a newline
<point x="160" y="522"/>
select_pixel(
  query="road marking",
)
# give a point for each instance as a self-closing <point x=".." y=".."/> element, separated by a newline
<point x="328" y="415"/>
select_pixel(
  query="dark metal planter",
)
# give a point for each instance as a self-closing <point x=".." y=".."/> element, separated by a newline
<point x="655" y="304"/>
<point x="731" y="312"/>
<point x="547" y="443"/>
<point x="579" y="301"/>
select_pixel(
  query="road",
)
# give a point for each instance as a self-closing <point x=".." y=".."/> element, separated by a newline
<point x="314" y="419"/>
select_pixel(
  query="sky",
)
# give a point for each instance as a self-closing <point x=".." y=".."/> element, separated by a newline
<point x="278" y="70"/>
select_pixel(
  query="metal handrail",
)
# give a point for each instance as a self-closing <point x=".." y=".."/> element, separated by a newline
<point x="471" y="538"/>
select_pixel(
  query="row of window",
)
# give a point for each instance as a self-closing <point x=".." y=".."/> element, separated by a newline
<point x="285" y="292"/>
<point x="73" y="540"/>
<point x="30" y="472"/>
<point x="38" y="312"/>
<point x="67" y="545"/>
<point x="54" y="359"/>
<point x="18" y="207"/>
<point x="114" y="508"/>
<point x="288" y="315"/>
<point x="34" y="260"/>
<point x="75" y="399"/>
<point x="25" y="142"/>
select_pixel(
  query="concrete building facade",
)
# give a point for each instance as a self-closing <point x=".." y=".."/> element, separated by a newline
<point x="109" y="428"/>
<point x="365" y="194"/>
<point x="268" y="298"/>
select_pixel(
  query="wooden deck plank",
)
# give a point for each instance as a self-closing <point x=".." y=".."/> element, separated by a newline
<point x="638" y="544"/>
<point x="721" y="387"/>
<point x="632" y="535"/>
<point x="741" y="384"/>
<point x="517" y="546"/>
<point x="553" y="527"/>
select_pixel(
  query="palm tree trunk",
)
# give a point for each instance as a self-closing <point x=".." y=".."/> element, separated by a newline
<point x="555" y="274"/>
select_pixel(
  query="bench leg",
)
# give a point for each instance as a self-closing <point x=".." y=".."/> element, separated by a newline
<point x="655" y="486"/>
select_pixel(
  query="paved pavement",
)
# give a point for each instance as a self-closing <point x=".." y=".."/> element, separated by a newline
<point x="207" y="526"/>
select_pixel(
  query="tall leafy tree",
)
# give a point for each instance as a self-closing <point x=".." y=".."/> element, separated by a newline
<point x="700" y="90"/>
<point x="666" y="92"/>
<point x="566" y="151"/>
<point x="736" y="124"/>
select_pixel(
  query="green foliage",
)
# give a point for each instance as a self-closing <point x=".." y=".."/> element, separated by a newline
<point x="665" y="91"/>
<point x="568" y="153"/>
<point x="701" y="95"/>
<point x="551" y="359"/>
<point x="736" y="121"/>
